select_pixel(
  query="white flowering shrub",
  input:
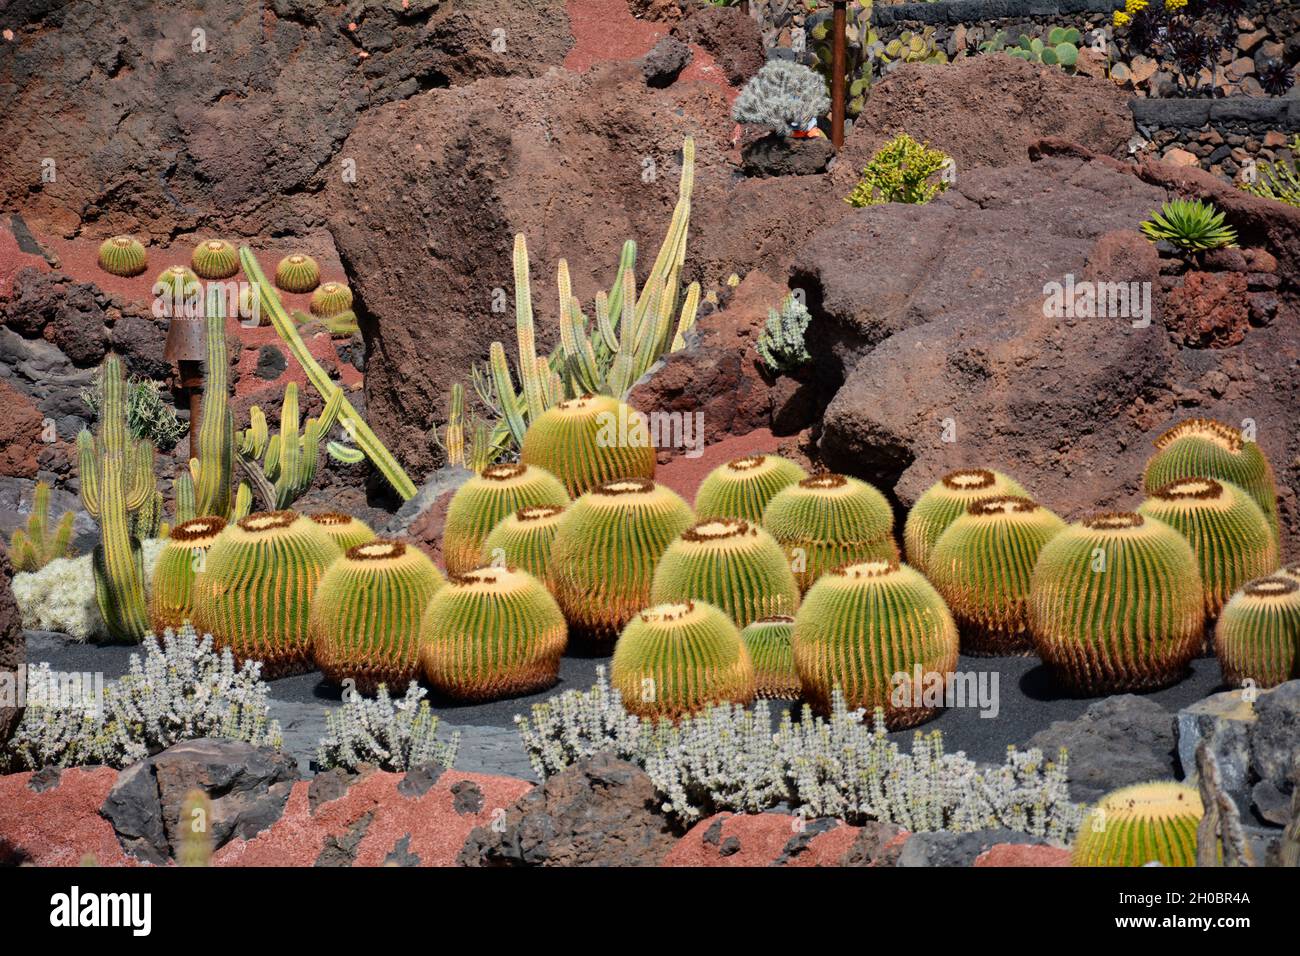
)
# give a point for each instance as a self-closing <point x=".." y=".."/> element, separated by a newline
<point x="181" y="689"/>
<point x="579" y="724"/>
<point x="392" y="735"/>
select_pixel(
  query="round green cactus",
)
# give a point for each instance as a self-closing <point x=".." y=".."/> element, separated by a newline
<point x="1116" y="604"/>
<point x="176" y="277"/>
<point x="1258" y="634"/>
<point x="254" y="592"/>
<point x="1141" y="824"/>
<point x="1204" y="448"/>
<point x="730" y="563"/>
<point x="297" y="273"/>
<point x="492" y="633"/>
<point x="344" y="530"/>
<point x="606" y="549"/>
<point x="880" y="632"/>
<point x="982" y="565"/>
<point x="588" y="441"/>
<point x="1230" y="535"/>
<point x="123" y="256"/>
<point x="944" y="502"/>
<point x="770" y="641"/>
<point x="675" y="659"/>
<point x="214" y="259"/>
<point x="829" y="520"/>
<point x="171" y="601"/>
<point x="523" y="539"/>
<point x="743" y="487"/>
<point x="366" y="615"/>
<point x="485" y="499"/>
<point x="332" y="298"/>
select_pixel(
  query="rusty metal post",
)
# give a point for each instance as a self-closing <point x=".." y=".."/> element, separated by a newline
<point x="839" y="52"/>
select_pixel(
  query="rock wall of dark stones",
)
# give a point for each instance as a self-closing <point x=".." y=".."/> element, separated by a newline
<point x="1223" y="136"/>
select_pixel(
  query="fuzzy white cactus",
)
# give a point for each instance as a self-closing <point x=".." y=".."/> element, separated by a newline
<point x="784" y="96"/>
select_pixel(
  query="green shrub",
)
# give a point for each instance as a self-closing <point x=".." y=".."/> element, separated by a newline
<point x="1191" y="225"/>
<point x="1279" y="181"/>
<point x="901" y="171"/>
<point x="147" y="415"/>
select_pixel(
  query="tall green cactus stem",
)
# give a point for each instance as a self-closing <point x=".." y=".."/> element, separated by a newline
<point x="171" y="601"/>
<point x="123" y="256"/>
<point x="771" y="647"/>
<point x="183" y="499"/>
<point x="116" y="479"/>
<point x="35" y="547"/>
<point x="282" y="466"/>
<point x="743" y="487"/>
<point x="1258" y="634"/>
<point x="213" y="462"/>
<point x="485" y="499"/>
<point x="1145" y="823"/>
<point x="943" y="503"/>
<point x="344" y="530"/>
<point x="1116" y="605"/>
<point x="214" y="259"/>
<point x="523" y="539"/>
<point x="588" y="441"/>
<point x="362" y="435"/>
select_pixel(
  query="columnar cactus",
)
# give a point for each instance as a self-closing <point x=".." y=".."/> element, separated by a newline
<point x="1258" y="634"/>
<point x="743" y="487"/>
<point x="492" y="633"/>
<point x="367" y="611"/>
<point x="606" y="549"/>
<point x="879" y="631"/>
<point x="943" y="503"/>
<point x="1116" y="604"/>
<point x="523" y="539"/>
<point x="344" y="530"/>
<point x="283" y="465"/>
<point x="829" y="520"/>
<point x="32" y="548"/>
<point x="171" y="601"/>
<point x="330" y="299"/>
<point x="1225" y="527"/>
<point x="1145" y="823"/>
<point x="590" y="440"/>
<point x="770" y="641"/>
<point x="982" y="565"/>
<point x="254" y="592"/>
<point x="297" y="273"/>
<point x="731" y="564"/>
<point x="1201" y="447"/>
<point x="213" y="462"/>
<point x="485" y="499"/>
<point x="215" y="259"/>
<point x="123" y="256"/>
<point x="674" y="659"/>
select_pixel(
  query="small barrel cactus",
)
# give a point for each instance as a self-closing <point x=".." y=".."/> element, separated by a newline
<point x="743" y="487"/>
<point x="492" y="633"/>
<point x="590" y="440"/>
<point x="123" y="256"/>
<point x="344" y="530"/>
<point x="484" y="500"/>
<point x="367" y="611"/>
<point x="606" y="549"/>
<point x="675" y="659"/>
<point x="332" y="298"/>
<point x="733" y="565"/>
<point x="943" y="503"/>
<point x="523" y="539"/>
<point x="1116" y="605"/>
<point x="784" y="96"/>
<point x="982" y="565"/>
<point x="1227" y="530"/>
<point x="1258" y="634"/>
<point x="214" y="259"/>
<point x="770" y="641"/>
<point x="1141" y="824"/>
<point x="829" y="520"/>
<point x="171" y="601"/>
<point x="174" y="279"/>
<point x="254" y="592"/>
<point x="297" y="273"/>
<point x="881" y="633"/>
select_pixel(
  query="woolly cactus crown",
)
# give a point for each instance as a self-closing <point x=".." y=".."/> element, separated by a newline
<point x="783" y="96"/>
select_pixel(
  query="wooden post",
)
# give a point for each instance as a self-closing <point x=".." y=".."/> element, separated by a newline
<point x="839" y="45"/>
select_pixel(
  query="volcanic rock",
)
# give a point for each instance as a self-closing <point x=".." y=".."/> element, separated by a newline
<point x="13" y="651"/>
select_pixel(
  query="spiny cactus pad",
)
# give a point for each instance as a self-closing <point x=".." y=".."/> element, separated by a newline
<point x="944" y="502"/>
<point x="1145" y="823"/>
<point x="171" y="592"/>
<point x="1225" y="527"/>
<point x="771" y="647"/>
<point x="367" y="611"/>
<point x="214" y="259"/>
<point x="829" y="520"/>
<point x="123" y="256"/>
<point x="331" y="299"/>
<point x="492" y="633"/>
<point x="1115" y="604"/>
<point x="1258" y="634"/>
<point x="867" y="628"/>
<point x="523" y="539"/>
<point x="606" y="549"/>
<point x="344" y="530"/>
<point x="675" y="659"/>
<point x="743" y="487"/>
<point x="730" y="563"/>
<point x="297" y="273"/>
<point x="254" y="592"/>
<point x="485" y="499"/>
<point x="982" y="565"/>
<point x="590" y="440"/>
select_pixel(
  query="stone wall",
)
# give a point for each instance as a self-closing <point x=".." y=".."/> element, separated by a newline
<point x="1222" y="136"/>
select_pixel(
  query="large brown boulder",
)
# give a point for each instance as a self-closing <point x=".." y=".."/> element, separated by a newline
<point x="21" y="427"/>
<point x="13" y="651"/>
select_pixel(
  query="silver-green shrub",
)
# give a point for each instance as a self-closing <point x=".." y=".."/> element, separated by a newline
<point x="391" y="735"/>
<point x="784" y="96"/>
<point x="781" y="343"/>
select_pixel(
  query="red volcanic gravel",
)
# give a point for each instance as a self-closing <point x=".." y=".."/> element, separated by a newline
<point x="1018" y="854"/>
<point x="12" y="259"/>
<point x="757" y="840"/>
<point x="683" y="475"/>
<point x="605" y="30"/>
<point x="60" y="826"/>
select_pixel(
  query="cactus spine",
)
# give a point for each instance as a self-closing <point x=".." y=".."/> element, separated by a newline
<point x="484" y="500"/>
<point x="1145" y="823"/>
<point x="1258" y="634"/>
<point x="675" y="659"/>
<point x="523" y="539"/>
<point x="880" y="632"/>
<point x="297" y="273"/>
<point x="982" y="565"/>
<point x="731" y="564"/>
<point x="171" y="601"/>
<point x="943" y="503"/>
<point x="743" y="487"/>
<point x="590" y="440"/>
<point x="366" y="614"/>
<point x="1116" y="605"/>
<point x="35" y="547"/>
<point x="214" y="259"/>
<point x="123" y="256"/>
<point x="771" y="647"/>
<point x="344" y="530"/>
<point x="214" y="464"/>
